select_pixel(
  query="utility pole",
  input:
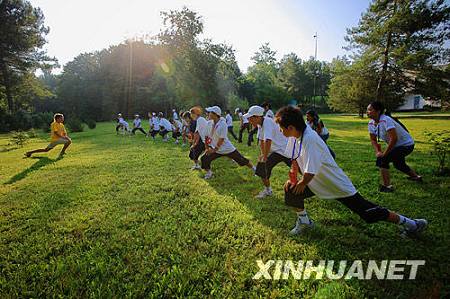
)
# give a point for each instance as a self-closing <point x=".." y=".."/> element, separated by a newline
<point x="314" y="78"/>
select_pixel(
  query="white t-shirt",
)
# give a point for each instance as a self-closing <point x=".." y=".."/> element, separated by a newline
<point x="123" y="122"/>
<point x="175" y="115"/>
<point x="165" y="124"/>
<point x="324" y="129"/>
<point x="177" y="125"/>
<point x="220" y="130"/>
<point x="203" y="127"/>
<point x="270" y="114"/>
<point x="329" y="181"/>
<point x="154" y="121"/>
<point x="386" y="123"/>
<point x="270" y="130"/>
<point x="137" y="123"/>
<point x="229" y="120"/>
<point x="244" y="119"/>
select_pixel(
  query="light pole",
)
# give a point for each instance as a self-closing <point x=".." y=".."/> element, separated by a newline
<point x="314" y="78"/>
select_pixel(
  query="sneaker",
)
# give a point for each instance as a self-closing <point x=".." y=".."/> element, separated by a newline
<point x="208" y="175"/>
<point x="386" y="189"/>
<point x="266" y="192"/>
<point x="415" y="179"/>
<point x="298" y="229"/>
<point x="421" y="225"/>
<point x="196" y="167"/>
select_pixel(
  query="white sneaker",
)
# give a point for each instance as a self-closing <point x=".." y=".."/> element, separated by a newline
<point x="298" y="229"/>
<point x="421" y="225"/>
<point x="208" y="175"/>
<point x="266" y="192"/>
<point x="176" y="141"/>
<point x="196" y="167"/>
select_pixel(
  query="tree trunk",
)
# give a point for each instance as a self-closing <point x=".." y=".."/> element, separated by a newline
<point x="8" y="92"/>
<point x="382" y="80"/>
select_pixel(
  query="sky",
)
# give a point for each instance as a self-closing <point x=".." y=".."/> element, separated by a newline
<point x="79" y="26"/>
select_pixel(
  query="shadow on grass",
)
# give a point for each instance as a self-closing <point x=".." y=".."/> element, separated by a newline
<point x="41" y="162"/>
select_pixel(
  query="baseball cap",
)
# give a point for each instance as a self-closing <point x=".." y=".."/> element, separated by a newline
<point x="254" y="111"/>
<point x="214" y="109"/>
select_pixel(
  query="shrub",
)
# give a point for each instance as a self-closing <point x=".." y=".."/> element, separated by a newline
<point x="19" y="138"/>
<point x="441" y="148"/>
<point x="91" y="123"/>
<point x="74" y="124"/>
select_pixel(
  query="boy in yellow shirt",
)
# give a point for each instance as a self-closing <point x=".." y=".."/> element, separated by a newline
<point x="58" y="136"/>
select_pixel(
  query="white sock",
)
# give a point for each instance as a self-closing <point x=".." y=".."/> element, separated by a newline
<point x="254" y="168"/>
<point x="269" y="189"/>
<point x="408" y="223"/>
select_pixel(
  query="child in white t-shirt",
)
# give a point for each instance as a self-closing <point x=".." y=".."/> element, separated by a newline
<point x="323" y="177"/>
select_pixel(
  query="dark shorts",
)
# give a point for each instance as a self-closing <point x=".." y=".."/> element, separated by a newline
<point x="176" y="134"/>
<point x="197" y="150"/>
<point x="206" y="159"/>
<point x="163" y="132"/>
<point x="397" y="157"/>
<point x="264" y="170"/>
<point x="368" y="211"/>
<point x="154" y="133"/>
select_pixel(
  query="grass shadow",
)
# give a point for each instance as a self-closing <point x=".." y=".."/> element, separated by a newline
<point x="41" y="162"/>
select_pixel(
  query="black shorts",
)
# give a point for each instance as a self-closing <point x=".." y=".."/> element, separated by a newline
<point x="235" y="155"/>
<point x="397" y="156"/>
<point x="264" y="169"/>
<point x="163" y="132"/>
<point x="368" y="211"/>
<point x="176" y="134"/>
<point x="197" y="150"/>
<point x="154" y="133"/>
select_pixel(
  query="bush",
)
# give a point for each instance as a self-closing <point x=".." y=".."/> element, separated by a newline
<point x="441" y="148"/>
<point x="91" y="123"/>
<point x="74" y="124"/>
<point x="19" y="138"/>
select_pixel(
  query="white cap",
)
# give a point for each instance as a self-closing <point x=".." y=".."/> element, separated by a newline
<point x="254" y="111"/>
<point x="214" y="109"/>
<point x="236" y="110"/>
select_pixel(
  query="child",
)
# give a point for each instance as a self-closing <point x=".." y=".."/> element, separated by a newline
<point x="176" y="129"/>
<point x="219" y="144"/>
<point x="154" y="125"/>
<point x="325" y="179"/>
<point x="202" y="128"/>
<point x="229" y="120"/>
<point x="272" y="146"/>
<point x="137" y="125"/>
<point x="58" y="136"/>
<point x="165" y="127"/>
<point x="122" y="124"/>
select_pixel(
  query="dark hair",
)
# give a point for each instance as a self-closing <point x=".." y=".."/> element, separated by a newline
<point x="377" y="106"/>
<point x="58" y="116"/>
<point x="186" y="114"/>
<point x="290" y="116"/>
<point x="266" y="105"/>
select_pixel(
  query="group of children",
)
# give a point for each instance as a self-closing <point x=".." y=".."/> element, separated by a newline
<point x="159" y="124"/>
<point x="284" y="137"/>
<point x="301" y="146"/>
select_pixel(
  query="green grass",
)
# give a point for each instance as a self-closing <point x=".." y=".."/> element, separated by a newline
<point x="124" y="216"/>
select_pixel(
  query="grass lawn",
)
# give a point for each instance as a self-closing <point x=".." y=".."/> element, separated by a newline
<point x="124" y="216"/>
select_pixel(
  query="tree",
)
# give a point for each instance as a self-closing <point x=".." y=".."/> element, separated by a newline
<point x="22" y="35"/>
<point x="403" y="41"/>
<point x="352" y="87"/>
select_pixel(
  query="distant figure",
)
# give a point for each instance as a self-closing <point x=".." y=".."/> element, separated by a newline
<point x="154" y="125"/>
<point x="165" y="127"/>
<point x="267" y="110"/>
<point x="176" y="129"/>
<point x="58" y="135"/>
<point x="244" y="125"/>
<point x="315" y="123"/>
<point x="122" y="124"/>
<point x="174" y="114"/>
<point x="229" y="120"/>
<point x="137" y="125"/>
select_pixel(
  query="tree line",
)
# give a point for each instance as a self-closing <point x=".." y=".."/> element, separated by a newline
<point x="398" y="47"/>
